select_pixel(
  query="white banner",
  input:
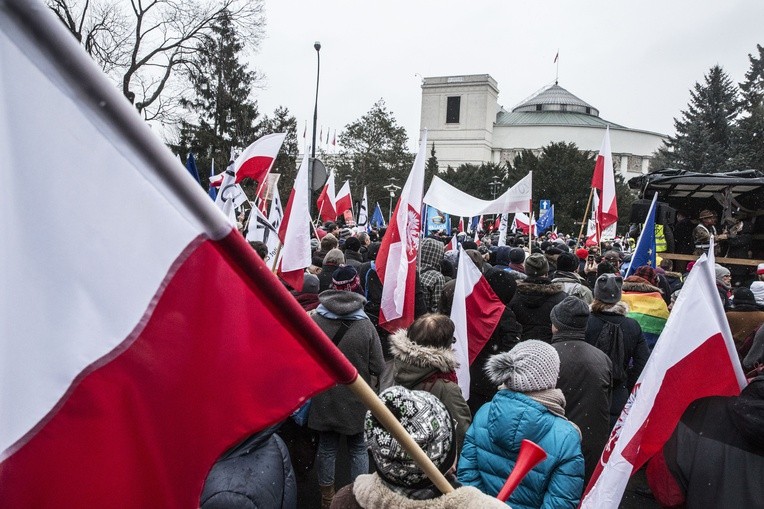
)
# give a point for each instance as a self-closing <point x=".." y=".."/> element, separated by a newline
<point x="448" y="199"/>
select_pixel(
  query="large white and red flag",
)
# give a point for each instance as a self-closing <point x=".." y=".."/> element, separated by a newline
<point x="326" y="200"/>
<point x="523" y="223"/>
<point x="603" y="180"/>
<point x="694" y="357"/>
<point x="294" y="231"/>
<point x="397" y="257"/>
<point x="256" y="160"/>
<point x="121" y="382"/>
<point x="343" y="201"/>
<point x="476" y="313"/>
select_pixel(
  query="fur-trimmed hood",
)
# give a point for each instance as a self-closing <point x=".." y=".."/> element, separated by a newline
<point x="538" y="287"/>
<point x="421" y="356"/>
<point x="370" y="491"/>
<point x="619" y="308"/>
<point x="639" y="285"/>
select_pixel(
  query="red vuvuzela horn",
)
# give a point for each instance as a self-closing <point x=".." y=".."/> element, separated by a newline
<point x="530" y="455"/>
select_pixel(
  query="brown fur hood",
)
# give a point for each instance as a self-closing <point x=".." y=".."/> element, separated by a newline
<point x="538" y="287"/>
<point x="619" y="308"/>
<point x="639" y="285"/>
<point x="421" y="356"/>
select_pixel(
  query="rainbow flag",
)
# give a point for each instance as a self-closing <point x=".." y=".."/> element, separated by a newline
<point x="650" y="310"/>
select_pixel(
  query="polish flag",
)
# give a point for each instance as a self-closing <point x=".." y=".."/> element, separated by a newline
<point x="522" y="222"/>
<point x="476" y="313"/>
<point x="397" y="257"/>
<point x="343" y="201"/>
<point x="461" y="225"/>
<point x="326" y="200"/>
<point x="603" y="180"/>
<point x="121" y="384"/>
<point x="696" y="342"/>
<point x="256" y="160"/>
<point x="453" y="244"/>
<point x="294" y="231"/>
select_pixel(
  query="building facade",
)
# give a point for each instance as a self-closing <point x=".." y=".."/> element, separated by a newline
<point x="467" y="125"/>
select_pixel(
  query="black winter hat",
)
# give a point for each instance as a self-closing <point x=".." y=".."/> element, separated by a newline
<point x="516" y="255"/>
<point x="571" y="314"/>
<point x="352" y="244"/>
<point x="743" y="297"/>
<point x="567" y="262"/>
<point x="502" y="283"/>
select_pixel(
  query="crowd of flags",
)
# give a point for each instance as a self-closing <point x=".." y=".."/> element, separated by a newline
<point x="104" y="387"/>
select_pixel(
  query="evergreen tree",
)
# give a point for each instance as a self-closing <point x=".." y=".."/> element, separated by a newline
<point x="225" y="115"/>
<point x="562" y="173"/>
<point x="374" y="153"/>
<point x="704" y="134"/>
<point x="430" y="169"/>
<point x="749" y="136"/>
<point x="286" y="162"/>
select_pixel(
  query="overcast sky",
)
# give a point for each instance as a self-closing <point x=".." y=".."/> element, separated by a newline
<point x="634" y="61"/>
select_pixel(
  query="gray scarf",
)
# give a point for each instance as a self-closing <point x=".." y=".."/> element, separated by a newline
<point x="552" y="399"/>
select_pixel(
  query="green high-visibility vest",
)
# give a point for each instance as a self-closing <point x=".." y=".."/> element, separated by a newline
<point x="660" y="239"/>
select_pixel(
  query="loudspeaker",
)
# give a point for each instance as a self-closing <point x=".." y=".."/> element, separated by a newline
<point x="663" y="215"/>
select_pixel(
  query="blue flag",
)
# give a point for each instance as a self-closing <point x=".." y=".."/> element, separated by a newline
<point x="474" y="223"/>
<point x="644" y="252"/>
<point x="436" y="220"/>
<point x="377" y="219"/>
<point x="191" y="167"/>
<point x="212" y="191"/>
<point x="546" y="221"/>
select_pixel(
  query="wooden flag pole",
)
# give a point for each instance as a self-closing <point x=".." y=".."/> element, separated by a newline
<point x="388" y="420"/>
<point x="586" y="214"/>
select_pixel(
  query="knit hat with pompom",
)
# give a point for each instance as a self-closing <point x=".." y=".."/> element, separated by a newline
<point x="530" y="366"/>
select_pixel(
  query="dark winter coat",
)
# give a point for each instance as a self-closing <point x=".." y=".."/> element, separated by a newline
<point x="504" y="338"/>
<point x="414" y="367"/>
<point x="532" y="304"/>
<point x="255" y="474"/>
<point x="744" y="320"/>
<point x="325" y="276"/>
<point x="353" y="258"/>
<point x="586" y="377"/>
<point x="634" y="346"/>
<point x="338" y="409"/>
<point x="715" y="456"/>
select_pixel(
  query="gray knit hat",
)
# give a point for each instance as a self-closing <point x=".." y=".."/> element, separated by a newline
<point x="536" y="265"/>
<point x="430" y="425"/>
<point x="607" y="288"/>
<point x="530" y="366"/>
<point x="571" y="314"/>
<point x="720" y="272"/>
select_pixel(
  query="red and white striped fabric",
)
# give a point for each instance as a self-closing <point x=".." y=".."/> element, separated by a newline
<point x="141" y="336"/>
<point x="343" y="200"/>
<point x="397" y="257"/>
<point x="522" y="221"/>
<point x="453" y="244"/>
<point x="294" y="231"/>
<point x="476" y="312"/>
<point x="256" y="160"/>
<point x="461" y="225"/>
<point x="603" y="180"/>
<point x="694" y="357"/>
<point x="325" y="202"/>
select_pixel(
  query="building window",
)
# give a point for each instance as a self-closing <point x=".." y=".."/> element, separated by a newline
<point x="588" y="111"/>
<point x="538" y="107"/>
<point x="452" y="110"/>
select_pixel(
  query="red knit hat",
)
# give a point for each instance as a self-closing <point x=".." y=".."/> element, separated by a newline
<point x="582" y="253"/>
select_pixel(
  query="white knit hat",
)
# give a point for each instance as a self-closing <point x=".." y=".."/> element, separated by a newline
<point x="530" y="366"/>
<point x="757" y="288"/>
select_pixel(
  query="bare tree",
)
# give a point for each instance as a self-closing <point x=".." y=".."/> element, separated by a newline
<point x="144" y="47"/>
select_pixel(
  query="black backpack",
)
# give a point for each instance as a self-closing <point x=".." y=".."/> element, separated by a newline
<point x="610" y="341"/>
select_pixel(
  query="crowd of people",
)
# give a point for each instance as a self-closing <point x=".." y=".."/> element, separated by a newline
<point x="574" y="336"/>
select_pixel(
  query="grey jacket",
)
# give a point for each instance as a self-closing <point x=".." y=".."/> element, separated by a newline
<point x="338" y="409"/>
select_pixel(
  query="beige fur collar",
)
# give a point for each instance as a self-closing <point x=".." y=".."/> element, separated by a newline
<point x="421" y="356"/>
<point x="371" y="492"/>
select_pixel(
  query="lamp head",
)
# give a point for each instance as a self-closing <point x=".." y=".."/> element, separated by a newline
<point x="317" y="45"/>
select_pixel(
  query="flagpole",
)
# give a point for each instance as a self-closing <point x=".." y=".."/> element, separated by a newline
<point x="369" y="398"/>
<point x="586" y="214"/>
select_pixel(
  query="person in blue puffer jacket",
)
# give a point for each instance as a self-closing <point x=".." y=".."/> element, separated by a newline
<point x="527" y="406"/>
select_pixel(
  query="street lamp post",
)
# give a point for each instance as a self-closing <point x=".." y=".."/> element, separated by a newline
<point x="391" y="188"/>
<point x="317" y="47"/>
<point x="495" y="183"/>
